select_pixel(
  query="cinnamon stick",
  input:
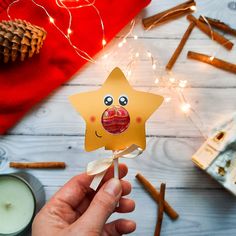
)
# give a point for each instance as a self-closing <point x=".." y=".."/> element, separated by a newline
<point x="211" y="33"/>
<point x="216" y="62"/>
<point x="180" y="47"/>
<point x="38" y="165"/>
<point x="156" y="196"/>
<point x="170" y="14"/>
<point x="218" y="25"/>
<point x="160" y="210"/>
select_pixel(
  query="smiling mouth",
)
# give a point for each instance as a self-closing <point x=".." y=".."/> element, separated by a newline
<point x="96" y="133"/>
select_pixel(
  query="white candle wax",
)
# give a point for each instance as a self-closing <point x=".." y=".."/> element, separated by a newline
<point x="17" y="205"/>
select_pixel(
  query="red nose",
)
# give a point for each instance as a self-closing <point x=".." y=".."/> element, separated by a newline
<point x="115" y="119"/>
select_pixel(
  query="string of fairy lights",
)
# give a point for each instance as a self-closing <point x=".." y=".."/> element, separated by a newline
<point x="169" y="81"/>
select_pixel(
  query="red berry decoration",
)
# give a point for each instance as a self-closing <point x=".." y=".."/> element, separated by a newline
<point x="115" y="120"/>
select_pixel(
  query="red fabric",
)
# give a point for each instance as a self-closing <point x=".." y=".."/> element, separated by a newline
<point x="24" y="84"/>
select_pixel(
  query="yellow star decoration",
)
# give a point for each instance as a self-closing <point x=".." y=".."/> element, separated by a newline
<point x="115" y="114"/>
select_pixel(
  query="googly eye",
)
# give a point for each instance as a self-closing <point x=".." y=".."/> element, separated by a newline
<point x="123" y="100"/>
<point x="108" y="100"/>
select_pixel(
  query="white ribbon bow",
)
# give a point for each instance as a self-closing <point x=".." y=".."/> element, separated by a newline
<point x="99" y="167"/>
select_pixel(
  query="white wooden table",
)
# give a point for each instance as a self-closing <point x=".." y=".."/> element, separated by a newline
<point x="53" y="130"/>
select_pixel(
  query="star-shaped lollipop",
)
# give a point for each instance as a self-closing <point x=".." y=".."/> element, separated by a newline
<point x="115" y="114"/>
<point x="115" y="117"/>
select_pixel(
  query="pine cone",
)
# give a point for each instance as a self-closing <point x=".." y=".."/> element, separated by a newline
<point x="20" y="39"/>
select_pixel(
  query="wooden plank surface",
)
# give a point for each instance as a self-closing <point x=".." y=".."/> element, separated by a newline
<point x="57" y="116"/>
<point x="161" y="157"/>
<point x="54" y="131"/>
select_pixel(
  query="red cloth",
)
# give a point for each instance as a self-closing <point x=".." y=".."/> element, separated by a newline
<point x="22" y="85"/>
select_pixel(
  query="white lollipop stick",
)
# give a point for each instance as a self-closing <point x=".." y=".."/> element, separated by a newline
<point x="116" y="168"/>
<point x="116" y="171"/>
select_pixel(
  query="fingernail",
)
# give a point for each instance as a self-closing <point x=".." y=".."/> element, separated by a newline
<point x="113" y="187"/>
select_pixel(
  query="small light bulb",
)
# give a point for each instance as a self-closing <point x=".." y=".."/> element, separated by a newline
<point x="136" y="54"/>
<point x="211" y="58"/>
<point x="185" y="107"/>
<point x="167" y="99"/>
<point x="104" y="42"/>
<point x="129" y="73"/>
<point x="182" y="83"/>
<point x="124" y="41"/>
<point x="156" y="81"/>
<point x="51" y="19"/>
<point x="135" y="37"/>
<point x="172" y="79"/>
<point x="149" y="54"/>
<point x="69" y="31"/>
<point x="154" y="66"/>
<point x="120" y="44"/>
<point x="105" y="56"/>
<point x="193" y="8"/>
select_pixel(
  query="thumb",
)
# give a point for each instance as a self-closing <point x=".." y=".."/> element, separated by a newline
<point x="102" y="206"/>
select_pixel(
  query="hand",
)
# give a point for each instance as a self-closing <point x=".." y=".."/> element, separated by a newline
<point x="76" y="210"/>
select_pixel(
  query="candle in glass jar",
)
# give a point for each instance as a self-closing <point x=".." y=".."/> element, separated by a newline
<point x="17" y="205"/>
